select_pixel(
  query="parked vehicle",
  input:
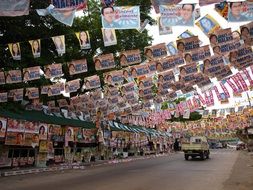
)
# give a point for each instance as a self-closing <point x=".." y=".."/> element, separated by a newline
<point x="197" y="146"/>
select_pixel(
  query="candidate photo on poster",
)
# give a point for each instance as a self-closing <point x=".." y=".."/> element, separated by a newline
<point x="108" y="17"/>
<point x="36" y="48"/>
<point x="15" y="51"/>
<point x="235" y="12"/>
<point x="59" y="42"/>
<point x="187" y="15"/>
<point x="3" y="122"/>
<point x="84" y="39"/>
<point x="43" y="131"/>
<point x="206" y="25"/>
<point x="109" y="37"/>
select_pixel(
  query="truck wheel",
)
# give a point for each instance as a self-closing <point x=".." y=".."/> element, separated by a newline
<point x="207" y="155"/>
<point x="186" y="157"/>
<point x="202" y="157"/>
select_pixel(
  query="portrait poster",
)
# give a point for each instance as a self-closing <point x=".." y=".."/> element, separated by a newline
<point x="55" y="89"/>
<point x="188" y="44"/>
<point x="125" y="17"/>
<point x="69" y="134"/>
<point x="91" y="82"/>
<point x="59" y="42"/>
<point x="172" y="49"/>
<point x="208" y="24"/>
<point x="163" y="30"/>
<point x="185" y="34"/>
<point x="129" y="96"/>
<point x="31" y="73"/>
<point x="3" y="125"/>
<point x="36" y="47"/>
<point x="166" y="76"/>
<point x="175" y="15"/>
<point x="128" y="87"/>
<point x="163" y="86"/>
<point x="31" y="139"/>
<point x="84" y="39"/>
<point x="31" y="127"/>
<point x="156" y="51"/>
<point x="72" y="86"/>
<point x="32" y="93"/>
<point x="88" y="135"/>
<point x="220" y="36"/>
<point x="139" y="70"/>
<point x="3" y="97"/>
<point x="145" y="92"/>
<point x="247" y="33"/>
<point x="130" y="57"/>
<point x="15" y="51"/>
<point x="111" y="91"/>
<point x="200" y="53"/>
<point x="145" y="83"/>
<point x="43" y="146"/>
<point x="226" y="47"/>
<point x="240" y="11"/>
<point x="54" y="70"/>
<point x="114" y="77"/>
<point x="18" y="94"/>
<point x="222" y="9"/>
<point x="169" y="62"/>
<point x="2" y="78"/>
<point x="105" y="61"/>
<point x="208" y="2"/>
<point x="14" y="138"/>
<point x="152" y="67"/>
<point x="43" y="128"/>
<point x="13" y="76"/>
<point x="44" y="89"/>
<point x="77" y="66"/>
<point x="109" y="36"/>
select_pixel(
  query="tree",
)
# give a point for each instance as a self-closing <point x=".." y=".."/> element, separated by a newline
<point x="30" y="27"/>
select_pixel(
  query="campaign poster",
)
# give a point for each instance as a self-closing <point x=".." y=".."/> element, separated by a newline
<point x="208" y="25"/>
<point x="31" y="127"/>
<point x="54" y="70"/>
<point x="128" y="87"/>
<point x="226" y="47"/>
<point x="18" y="95"/>
<point x="113" y="100"/>
<point x="202" y="80"/>
<point x="72" y="86"/>
<point x="125" y="17"/>
<point x="169" y="62"/>
<point x="222" y="9"/>
<point x="151" y="66"/>
<point x="129" y="96"/>
<point x="208" y="2"/>
<point x="59" y="42"/>
<point x="177" y="85"/>
<point x="114" y="77"/>
<point x="185" y="34"/>
<point x="163" y="30"/>
<point x="177" y="15"/>
<point x="3" y="124"/>
<point x="198" y="54"/>
<point x="31" y="139"/>
<point x="247" y="33"/>
<point x="2" y="78"/>
<point x="31" y="73"/>
<point x="14" y="138"/>
<point x="62" y="103"/>
<point x="187" y="78"/>
<point x="103" y="62"/>
<point x="15" y="50"/>
<point x="84" y="39"/>
<point x="91" y="82"/>
<point x="3" y="97"/>
<point x="224" y="72"/>
<point x="43" y="146"/>
<point x="109" y="36"/>
<point x="32" y="93"/>
<point x="157" y="3"/>
<point x="130" y="57"/>
<point x="166" y="76"/>
<point x="43" y="128"/>
<point x="220" y="36"/>
<point x="172" y="49"/>
<point x="145" y="83"/>
<point x="163" y="86"/>
<point x="76" y="4"/>
<point x="111" y="91"/>
<point x="240" y="11"/>
<point x="55" y="89"/>
<point x="188" y="44"/>
<point x="13" y="76"/>
<point x="69" y="134"/>
<point x="188" y="88"/>
<point x="36" y="47"/>
<point x="77" y="66"/>
<point x="155" y="51"/>
<point x="188" y="69"/>
<point x="139" y="70"/>
<point x="144" y="92"/>
<point x="86" y="135"/>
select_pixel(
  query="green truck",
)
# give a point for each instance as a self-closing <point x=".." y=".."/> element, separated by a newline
<point x="196" y="147"/>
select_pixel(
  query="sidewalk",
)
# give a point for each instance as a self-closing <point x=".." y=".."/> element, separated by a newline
<point x="82" y="166"/>
<point x="241" y="177"/>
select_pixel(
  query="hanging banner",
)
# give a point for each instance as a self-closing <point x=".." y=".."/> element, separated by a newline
<point x="103" y="62"/>
<point x="3" y="97"/>
<point x="156" y="51"/>
<point x="109" y="37"/>
<point x="125" y="17"/>
<point x="241" y="58"/>
<point x="13" y="76"/>
<point x="76" y="4"/>
<point x="163" y="30"/>
<point x="169" y="62"/>
<point x="177" y="15"/>
<point x="220" y="36"/>
<point x="235" y="91"/>
<point x="84" y="39"/>
<point x="59" y="42"/>
<point x="78" y="66"/>
<point x="72" y="86"/>
<point x="130" y="57"/>
<point x="14" y="8"/>
<point x="188" y="44"/>
<point x="242" y="81"/>
<point x="43" y="127"/>
<point x="240" y="11"/>
<point x="157" y="3"/>
<point x="208" y="2"/>
<point x="236" y="81"/>
<point x="201" y="99"/>
<point x="31" y="73"/>
<point x="15" y="51"/>
<point x="217" y="93"/>
<point x="55" y="89"/>
<point x="54" y="70"/>
<point x="32" y="93"/>
<point x="114" y="77"/>
<point x="139" y="70"/>
<point x="245" y="71"/>
<point x="18" y="94"/>
<point x="226" y="47"/>
<point x="91" y="82"/>
<point x="208" y="25"/>
<point x="36" y="48"/>
<point x="225" y="90"/>
<point x="3" y="122"/>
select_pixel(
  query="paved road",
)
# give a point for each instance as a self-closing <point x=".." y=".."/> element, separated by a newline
<point x="165" y="173"/>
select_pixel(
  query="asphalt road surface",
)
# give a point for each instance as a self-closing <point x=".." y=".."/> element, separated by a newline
<point x="170" y="172"/>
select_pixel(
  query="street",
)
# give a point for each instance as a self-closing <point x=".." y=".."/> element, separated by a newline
<point x="167" y="172"/>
